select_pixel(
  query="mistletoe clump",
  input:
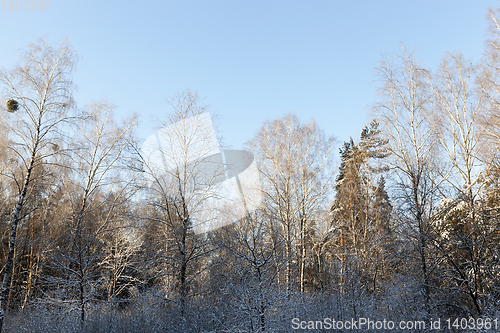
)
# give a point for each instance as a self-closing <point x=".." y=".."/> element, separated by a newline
<point x="12" y="105"/>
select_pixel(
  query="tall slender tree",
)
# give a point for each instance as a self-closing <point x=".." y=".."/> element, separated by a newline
<point x="97" y="191"/>
<point x="294" y="161"/>
<point x="405" y="98"/>
<point x="358" y="224"/>
<point x="38" y="93"/>
<point x="458" y="105"/>
<point x="177" y="193"/>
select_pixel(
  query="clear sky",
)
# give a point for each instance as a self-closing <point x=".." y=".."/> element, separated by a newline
<point x="252" y="60"/>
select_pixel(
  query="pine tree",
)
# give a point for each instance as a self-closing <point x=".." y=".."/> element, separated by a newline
<point x="361" y="209"/>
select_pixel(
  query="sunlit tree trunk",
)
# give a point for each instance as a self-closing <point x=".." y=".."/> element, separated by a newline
<point x="39" y="94"/>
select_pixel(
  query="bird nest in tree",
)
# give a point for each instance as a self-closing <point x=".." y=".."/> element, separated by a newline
<point x="12" y="105"/>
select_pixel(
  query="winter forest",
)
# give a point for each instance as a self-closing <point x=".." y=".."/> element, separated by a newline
<point x="403" y="224"/>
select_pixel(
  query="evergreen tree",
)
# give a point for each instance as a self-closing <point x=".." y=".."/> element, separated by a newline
<point x="361" y="210"/>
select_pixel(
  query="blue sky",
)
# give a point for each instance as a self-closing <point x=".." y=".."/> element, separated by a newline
<point x="252" y="60"/>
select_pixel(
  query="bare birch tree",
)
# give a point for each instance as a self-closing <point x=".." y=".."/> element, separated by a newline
<point x="294" y="161"/>
<point x="182" y="181"/>
<point x="38" y="93"/>
<point x="404" y="102"/>
<point x="457" y="109"/>
<point x="489" y="82"/>
<point x="96" y="192"/>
